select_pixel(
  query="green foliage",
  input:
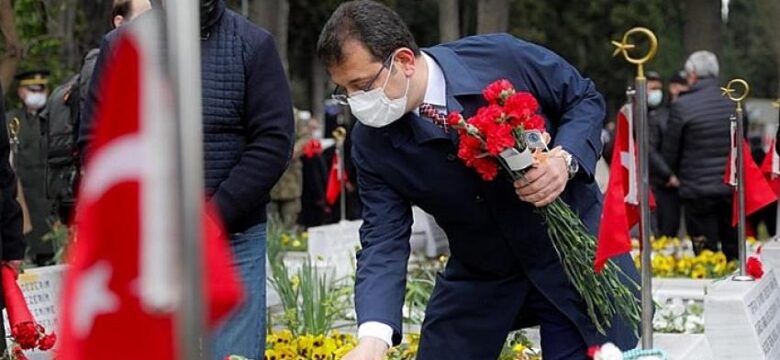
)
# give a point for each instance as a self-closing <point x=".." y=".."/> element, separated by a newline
<point x="42" y="49"/>
<point x="312" y="301"/>
<point x="59" y="236"/>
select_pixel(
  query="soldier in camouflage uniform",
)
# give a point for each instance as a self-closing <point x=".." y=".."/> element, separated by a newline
<point x="285" y="202"/>
<point x="30" y="160"/>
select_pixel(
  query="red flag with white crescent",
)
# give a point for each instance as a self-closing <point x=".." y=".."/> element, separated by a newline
<point x="122" y="288"/>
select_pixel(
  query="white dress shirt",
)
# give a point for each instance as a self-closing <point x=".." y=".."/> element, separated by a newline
<point x="435" y="94"/>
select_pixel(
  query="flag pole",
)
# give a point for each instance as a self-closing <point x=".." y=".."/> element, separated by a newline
<point x="738" y="118"/>
<point x="340" y="134"/>
<point x="640" y="110"/>
<point x="183" y="34"/>
<point x="776" y="105"/>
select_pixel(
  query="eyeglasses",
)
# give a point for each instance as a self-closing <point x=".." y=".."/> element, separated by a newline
<point x="340" y="93"/>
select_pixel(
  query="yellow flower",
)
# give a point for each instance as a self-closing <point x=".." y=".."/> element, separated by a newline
<point x="719" y="259"/>
<point x="295" y="282"/>
<point x="683" y="266"/>
<point x="518" y="348"/>
<point x="296" y="244"/>
<point x="285" y="239"/>
<point x="699" y="272"/>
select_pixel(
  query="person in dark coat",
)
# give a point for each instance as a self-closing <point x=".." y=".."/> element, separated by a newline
<point x="663" y="181"/>
<point x="696" y="147"/>
<point x="248" y="135"/>
<point x="12" y="245"/>
<point x="504" y="273"/>
<point x="28" y="131"/>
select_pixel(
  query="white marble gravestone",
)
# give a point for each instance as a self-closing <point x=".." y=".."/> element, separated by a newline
<point x="334" y="246"/>
<point x="684" y="346"/>
<point x="427" y="237"/>
<point x="770" y="254"/>
<point x="742" y="319"/>
<point x="41" y="288"/>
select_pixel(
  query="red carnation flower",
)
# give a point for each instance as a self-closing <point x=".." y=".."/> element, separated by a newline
<point x="754" y="267"/>
<point x="499" y="139"/>
<point x="535" y="122"/>
<point x="47" y="342"/>
<point x="25" y="334"/>
<point x="520" y="107"/>
<point x="486" y="167"/>
<point x="469" y="148"/>
<point x="497" y="91"/>
<point x="487" y="118"/>
<point x="454" y="119"/>
<point x="19" y="354"/>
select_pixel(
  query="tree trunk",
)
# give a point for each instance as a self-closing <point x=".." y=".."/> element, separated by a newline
<point x="274" y="16"/>
<point x="702" y="30"/>
<point x="449" y="20"/>
<point x="97" y="13"/>
<point x="319" y="85"/>
<point x="13" y="45"/>
<point x="492" y="16"/>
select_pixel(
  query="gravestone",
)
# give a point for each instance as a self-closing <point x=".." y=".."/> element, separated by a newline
<point x="686" y="289"/>
<point x="742" y="319"/>
<point x="41" y="288"/>
<point x="334" y="246"/>
<point x="427" y="237"/>
<point x="684" y="346"/>
<point x="770" y="254"/>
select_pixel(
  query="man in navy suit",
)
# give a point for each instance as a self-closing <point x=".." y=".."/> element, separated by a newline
<point x="504" y="273"/>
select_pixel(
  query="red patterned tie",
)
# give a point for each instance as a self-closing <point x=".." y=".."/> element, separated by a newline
<point x="438" y="117"/>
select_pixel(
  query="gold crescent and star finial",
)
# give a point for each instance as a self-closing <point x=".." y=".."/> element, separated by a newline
<point x="625" y="46"/>
<point x="731" y="92"/>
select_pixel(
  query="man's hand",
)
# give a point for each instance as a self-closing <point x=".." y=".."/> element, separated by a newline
<point x="369" y="348"/>
<point x="16" y="265"/>
<point x="544" y="182"/>
<point x="673" y="182"/>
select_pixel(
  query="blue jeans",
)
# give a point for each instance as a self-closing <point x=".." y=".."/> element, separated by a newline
<point x="243" y="333"/>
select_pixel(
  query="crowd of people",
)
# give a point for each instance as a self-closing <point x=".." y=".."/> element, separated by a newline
<point x="266" y="160"/>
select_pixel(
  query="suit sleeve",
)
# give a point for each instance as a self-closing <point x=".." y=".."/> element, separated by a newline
<point x="671" y="144"/>
<point x="385" y="249"/>
<point x="571" y="102"/>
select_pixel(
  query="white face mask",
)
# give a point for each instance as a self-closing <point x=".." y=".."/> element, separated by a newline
<point x="654" y="97"/>
<point x="35" y="100"/>
<point x="373" y="108"/>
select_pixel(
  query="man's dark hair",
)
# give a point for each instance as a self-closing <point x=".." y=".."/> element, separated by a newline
<point x="120" y="8"/>
<point x="375" y="25"/>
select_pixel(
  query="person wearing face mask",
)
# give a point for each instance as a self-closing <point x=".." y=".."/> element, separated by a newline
<point x="666" y="218"/>
<point x="26" y="127"/>
<point x="504" y="273"/>
<point x="248" y="137"/>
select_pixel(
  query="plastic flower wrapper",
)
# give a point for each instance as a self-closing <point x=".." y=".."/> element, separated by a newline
<point x="509" y="133"/>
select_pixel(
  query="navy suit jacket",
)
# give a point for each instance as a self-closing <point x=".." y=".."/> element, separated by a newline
<point x="491" y="232"/>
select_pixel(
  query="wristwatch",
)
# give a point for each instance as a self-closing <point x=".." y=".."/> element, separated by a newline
<point x="572" y="166"/>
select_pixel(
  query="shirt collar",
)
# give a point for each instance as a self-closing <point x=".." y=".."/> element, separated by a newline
<point x="436" y="92"/>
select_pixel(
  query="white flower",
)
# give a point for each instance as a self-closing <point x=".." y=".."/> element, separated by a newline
<point x="678" y="323"/>
<point x="609" y="351"/>
<point x="677" y="307"/>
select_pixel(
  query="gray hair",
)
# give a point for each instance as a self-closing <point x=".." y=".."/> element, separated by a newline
<point x="702" y="63"/>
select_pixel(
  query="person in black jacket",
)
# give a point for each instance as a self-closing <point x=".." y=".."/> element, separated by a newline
<point x="663" y="181"/>
<point x="12" y="244"/>
<point x="247" y="143"/>
<point x="696" y="147"/>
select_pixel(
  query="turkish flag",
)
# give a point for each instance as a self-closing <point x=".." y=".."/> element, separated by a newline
<point x="771" y="168"/>
<point x="122" y="290"/>
<point x="333" y="188"/>
<point x="621" y="201"/>
<point x="758" y="192"/>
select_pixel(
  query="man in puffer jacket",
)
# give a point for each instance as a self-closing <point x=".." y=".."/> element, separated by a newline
<point x="696" y="147"/>
<point x="247" y="143"/>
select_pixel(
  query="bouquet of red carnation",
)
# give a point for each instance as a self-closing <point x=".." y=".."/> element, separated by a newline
<point x="312" y="148"/>
<point x="509" y="132"/>
<point x="25" y="332"/>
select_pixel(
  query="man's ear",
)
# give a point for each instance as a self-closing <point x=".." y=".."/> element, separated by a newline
<point x="407" y="59"/>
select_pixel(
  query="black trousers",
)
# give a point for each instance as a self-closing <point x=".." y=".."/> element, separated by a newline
<point x="708" y="220"/>
<point x="667" y="211"/>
